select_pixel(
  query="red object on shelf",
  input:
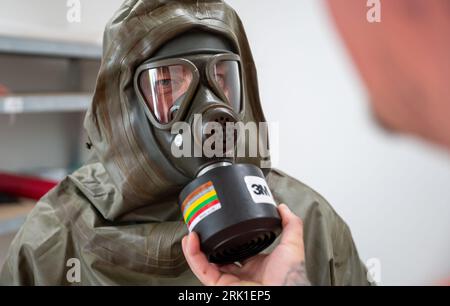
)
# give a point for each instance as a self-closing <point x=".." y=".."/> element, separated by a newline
<point x="25" y="186"/>
<point x="3" y="90"/>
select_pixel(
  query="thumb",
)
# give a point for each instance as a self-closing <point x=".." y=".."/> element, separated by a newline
<point x="292" y="227"/>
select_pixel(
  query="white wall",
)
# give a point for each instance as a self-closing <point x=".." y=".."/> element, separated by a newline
<point x="393" y="191"/>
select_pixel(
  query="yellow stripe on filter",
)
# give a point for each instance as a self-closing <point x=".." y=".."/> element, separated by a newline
<point x="199" y="201"/>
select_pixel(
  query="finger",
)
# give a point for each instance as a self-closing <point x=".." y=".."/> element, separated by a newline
<point x="292" y="227"/>
<point x="206" y="272"/>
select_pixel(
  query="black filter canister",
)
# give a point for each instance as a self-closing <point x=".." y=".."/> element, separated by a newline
<point x="232" y="210"/>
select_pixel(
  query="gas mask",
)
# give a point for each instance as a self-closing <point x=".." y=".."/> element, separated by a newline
<point x="192" y="92"/>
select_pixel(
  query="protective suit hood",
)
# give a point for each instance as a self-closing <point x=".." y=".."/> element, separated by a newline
<point x="143" y="176"/>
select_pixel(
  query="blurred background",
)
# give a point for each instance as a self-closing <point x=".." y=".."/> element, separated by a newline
<point x="361" y="96"/>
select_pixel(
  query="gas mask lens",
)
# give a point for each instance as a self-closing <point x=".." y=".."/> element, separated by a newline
<point x="227" y="76"/>
<point x="162" y="87"/>
<point x="166" y="86"/>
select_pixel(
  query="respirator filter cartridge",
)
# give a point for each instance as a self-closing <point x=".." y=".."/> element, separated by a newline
<point x="233" y="211"/>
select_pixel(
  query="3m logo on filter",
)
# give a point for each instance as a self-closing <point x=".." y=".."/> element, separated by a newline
<point x="202" y="202"/>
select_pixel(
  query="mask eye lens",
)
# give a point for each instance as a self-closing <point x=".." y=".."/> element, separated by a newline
<point x="227" y="77"/>
<point x="163" y="89"/>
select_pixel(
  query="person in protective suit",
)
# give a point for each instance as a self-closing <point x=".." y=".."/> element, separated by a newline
<point x="118" y="217"/>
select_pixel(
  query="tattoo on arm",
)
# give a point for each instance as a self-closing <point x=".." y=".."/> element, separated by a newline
<point x="296" y="276"/>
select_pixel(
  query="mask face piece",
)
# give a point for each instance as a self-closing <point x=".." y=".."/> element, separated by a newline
<point x="207" y="84"/>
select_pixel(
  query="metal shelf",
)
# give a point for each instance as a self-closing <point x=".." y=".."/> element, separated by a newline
<point x="45" y="103"/>
<point x="41" y="47"/>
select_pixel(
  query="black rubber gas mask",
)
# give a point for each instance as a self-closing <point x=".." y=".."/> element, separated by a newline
<point x="193" y="79"/>
<point x="192" y="92"/>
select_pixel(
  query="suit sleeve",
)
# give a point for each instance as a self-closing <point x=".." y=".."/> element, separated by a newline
<point x="346" y="267"/>
<point x="37" y="253"/>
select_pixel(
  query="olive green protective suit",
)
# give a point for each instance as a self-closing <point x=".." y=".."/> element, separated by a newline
<point x="118" y="214"/>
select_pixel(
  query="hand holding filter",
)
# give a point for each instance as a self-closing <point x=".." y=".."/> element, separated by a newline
<point x="233" y="211"/>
